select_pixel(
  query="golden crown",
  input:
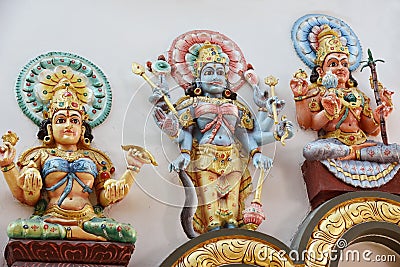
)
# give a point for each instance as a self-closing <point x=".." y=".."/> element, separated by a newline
<point x="63" y="89"/>
<point x="329" y="42"/>
<point x="207" y="53"/>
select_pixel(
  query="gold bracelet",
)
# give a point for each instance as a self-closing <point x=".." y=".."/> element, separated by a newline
<point x="187" y="151"/>
<point x="277" y="138"/>
<point x="300" y="98"/>
<point x="358" y="154"/>
<point x="8" y="167"/>
<point x="133" y="168"/>
<point x="255" y="151"/>
<point x="174" y="136"/>
<point x="330" y="117"/>
<point x="263" y="109"/>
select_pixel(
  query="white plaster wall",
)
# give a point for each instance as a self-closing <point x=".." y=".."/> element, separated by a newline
<point x="112" y="34"/>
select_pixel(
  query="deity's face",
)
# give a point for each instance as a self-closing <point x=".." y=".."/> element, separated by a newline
<point x="67" y="127"/>
<point x="338" y="64"/>
<point x="213" y="78"/>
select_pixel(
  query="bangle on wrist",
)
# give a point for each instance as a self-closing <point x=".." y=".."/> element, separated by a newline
<point x="299" y="98"/>
<point x="328" y="116"/>
<point x="277" y="138"/>
<point x="263" y="109"/>
<point x="8" y="167"/>
<point x="187" y="151"/>
<point x="358" y="154"/>
<point x="255" y="151"/>
<point x="302" y="97"/>
<point x="173" y="137"/>
<point x="133" y="168"/>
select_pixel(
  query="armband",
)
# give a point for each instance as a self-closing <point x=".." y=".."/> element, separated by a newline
<point x="8" y="167"/>
<point x="255" y="151"/>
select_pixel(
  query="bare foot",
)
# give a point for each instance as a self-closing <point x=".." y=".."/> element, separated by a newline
<point x="354" y="149"/>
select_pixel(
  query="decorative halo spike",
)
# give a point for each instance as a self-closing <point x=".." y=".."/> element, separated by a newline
<point x="38" y="79"/>
<point x="306" y="29"/>
<point x="183" y="53"/>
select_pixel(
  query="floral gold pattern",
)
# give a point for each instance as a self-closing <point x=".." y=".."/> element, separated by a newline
<point x="343" y="217"/>
<point x="220" y="251"/>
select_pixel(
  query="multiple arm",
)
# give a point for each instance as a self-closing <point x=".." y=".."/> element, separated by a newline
<point x="331" y="107"/>
<point x="25" y="185"/>
<point x="250" y="144"/>
<point x="185" y="141"/>
<point x="369" y="120"/>
<point x="183" y="136"/>
<point x="115" y="190"/>
<point x="307" y="101"/>
<point x="305" y="118"/>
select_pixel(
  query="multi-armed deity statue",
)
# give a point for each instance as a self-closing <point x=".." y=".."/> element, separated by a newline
<point x="217" y="134"/>
<point x="337" y="109"/>
<point x="66" y="96"/>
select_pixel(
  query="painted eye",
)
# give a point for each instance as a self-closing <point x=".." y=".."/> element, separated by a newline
<point x="75" y="121"/>
<point x="220" y="72"/>
<point x="345" y="64"/>
<point x="60" y="121"/>
<point x="333" y="64"/>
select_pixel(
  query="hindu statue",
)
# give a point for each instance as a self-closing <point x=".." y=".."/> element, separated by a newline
<point x="217" y="134"/>
<point x="66" y="179"/>
<point x="335" y="107"/>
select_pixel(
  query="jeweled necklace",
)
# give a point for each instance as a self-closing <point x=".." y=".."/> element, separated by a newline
<point x="67" y="154"/>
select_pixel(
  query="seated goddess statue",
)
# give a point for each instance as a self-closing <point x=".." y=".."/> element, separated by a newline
<point x="335" y="107"/>
<point x="59" y="177"/>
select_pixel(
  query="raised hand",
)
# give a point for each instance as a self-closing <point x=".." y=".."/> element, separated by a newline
<point x="137" y="156"/>
<point x="7" y="154"/>
<point x="167" y="123"/>
<point x="279" y="103"/>
<point x="261" y="161"/>
<point x="115" y="190"/>
<point x="260" y="96"/>
<point x="284" y="129"/>
<point x="386" y="110"/>
<point x="251" y="77"/>
<point x="30" y="179"/>
<point x="299" y="86"/>
<point x="180" y="163"/>
<point x="387" y="105"/>
<point x="331" y="104"/>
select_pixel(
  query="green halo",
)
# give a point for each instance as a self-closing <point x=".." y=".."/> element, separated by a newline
<point x="32" y="106"/>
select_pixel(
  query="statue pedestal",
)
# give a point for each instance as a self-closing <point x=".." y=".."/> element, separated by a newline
<point x="21" y="252"/>
<point x="323" y="185"/>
